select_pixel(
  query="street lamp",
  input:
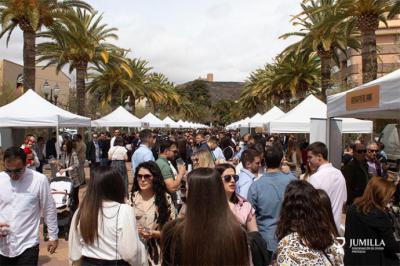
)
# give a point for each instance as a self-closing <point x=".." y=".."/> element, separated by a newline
<point x="47" y="89"/>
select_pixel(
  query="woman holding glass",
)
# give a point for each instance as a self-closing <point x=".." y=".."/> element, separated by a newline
<point x="153" y="207"/>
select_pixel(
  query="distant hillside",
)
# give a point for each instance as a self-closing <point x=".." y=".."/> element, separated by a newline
<point x="222" y="90"/>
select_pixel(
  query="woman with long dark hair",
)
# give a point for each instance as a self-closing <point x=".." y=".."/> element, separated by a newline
<point x="209" y="234"/>
<point x="369" y="229"/>
<point x="306" y="234"/>
<point x="240" y="207"/>
<point x="153" y="207"/>
<point x="103" y="229"/>
<point x="69" y="165"/>
<point x="326" y="206"/>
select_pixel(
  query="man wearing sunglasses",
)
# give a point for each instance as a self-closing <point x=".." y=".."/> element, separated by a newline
<point x="24" y="195"/>
<point x="356" y="173"/>
<point x="374" y="165"/>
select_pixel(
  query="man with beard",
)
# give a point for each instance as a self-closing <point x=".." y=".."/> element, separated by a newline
<point x="168" y="152"/>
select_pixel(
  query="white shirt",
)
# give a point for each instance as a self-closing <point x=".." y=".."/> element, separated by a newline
<point x="112" y="141"/>
<point x="218" y="154"/>
<point x="117" y="153"/>
<point x="332" y="181"/>
<point x="129" y="247"/>
<point x="21" y="203"/>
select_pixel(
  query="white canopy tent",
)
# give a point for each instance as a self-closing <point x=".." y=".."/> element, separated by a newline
<point x="152" y="121"/>
<point x="170" y="123"/>
<point x="120" y="117"/>
<point x="379" y="98"/>
<point x="256" y="120"/>
<point x="273" y="114"/>
<point x="31" y="110"/>
<point x="298" y="120"/>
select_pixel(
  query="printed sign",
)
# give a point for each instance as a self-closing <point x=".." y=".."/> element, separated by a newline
<point x="363" y="99"/>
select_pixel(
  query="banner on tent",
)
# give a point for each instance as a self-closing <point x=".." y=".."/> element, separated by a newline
<point x="363" y="99"/>
<point x="145" y="125"/>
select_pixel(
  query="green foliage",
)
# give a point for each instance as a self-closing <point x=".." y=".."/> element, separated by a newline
<point x="8" y="94"/>
<point x="223" y="111"/>
<point x="288" y="77"/>
<point x="196" y="92"/>
<point x="32" y="15"/>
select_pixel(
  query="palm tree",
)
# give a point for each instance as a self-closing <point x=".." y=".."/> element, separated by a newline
<point x="78" y="41"/>
<point x="324" y="32"/>
<point x="299" y="74"/>
<point x="30" y="16"/>
<point x="111" y="81"/>
<point x="367" y="14"/>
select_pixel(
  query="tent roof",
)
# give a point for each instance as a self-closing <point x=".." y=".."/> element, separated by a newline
<point x="31" y="110"/>
<point x="259" y="120"/>
<point x="171" y="123"/>
<point x="383" y="101"/>
<point x="152" y="120"/>
<point x="272" y="114"/>
<point x="120" y="117"/>
<point x="298" y="120"/>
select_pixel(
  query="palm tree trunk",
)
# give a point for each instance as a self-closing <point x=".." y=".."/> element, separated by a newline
<point x="29" y="59"/>
<point x="343" y="74"/>
<point x="367" y="24"/>
<point x="132" y="103"/>
<point x="325" y="75"/>
<point x="369" y="56"/>
<point x="81" y="90"/>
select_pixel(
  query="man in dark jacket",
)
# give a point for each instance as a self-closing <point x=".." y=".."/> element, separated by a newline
<point x="93" y="151"/>
<point x="51" y="150"/>
<point x="356" y="173"/>
<point x="104" y="145"/>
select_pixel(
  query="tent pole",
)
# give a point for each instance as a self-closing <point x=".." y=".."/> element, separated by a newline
<point x="58" y="139"/>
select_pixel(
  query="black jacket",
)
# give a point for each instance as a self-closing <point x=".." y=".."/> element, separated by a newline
<point x="372" y="229"/>
<point x="51" y="148"/>
<point x="91" y="152"/>
<point x="104" y="145"/>
<point x="356" y="175"/>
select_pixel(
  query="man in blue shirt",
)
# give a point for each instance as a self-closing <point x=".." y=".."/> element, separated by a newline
<point x="251" y="160"/>
<point x="143" y="153"/>
<point x="266" y="196"/>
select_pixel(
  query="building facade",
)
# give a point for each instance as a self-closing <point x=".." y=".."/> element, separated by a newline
<point x="388" y="50"/>
<point x="9" y="72"/>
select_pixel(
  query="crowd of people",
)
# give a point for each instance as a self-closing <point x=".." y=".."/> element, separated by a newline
<point x="202" y="198"/>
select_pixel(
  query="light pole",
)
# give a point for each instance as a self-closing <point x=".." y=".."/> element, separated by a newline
<point x="47" y="89"/>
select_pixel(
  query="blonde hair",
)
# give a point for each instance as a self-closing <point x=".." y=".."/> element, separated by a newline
<point x="205" y="159"/>
<point x="377" y="194"/>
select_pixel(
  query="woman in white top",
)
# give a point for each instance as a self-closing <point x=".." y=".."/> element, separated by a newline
<point x="118" y="156"/>
<point x="103" y="230"/>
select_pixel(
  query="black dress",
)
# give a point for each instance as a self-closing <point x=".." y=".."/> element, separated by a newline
<point x="370" y="239"/>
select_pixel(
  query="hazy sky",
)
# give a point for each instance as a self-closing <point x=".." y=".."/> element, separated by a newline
<point x="185" y="39"/>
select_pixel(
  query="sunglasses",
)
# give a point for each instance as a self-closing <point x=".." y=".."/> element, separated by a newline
<point x="146" y="177"/>
<point x="228" y="178"/>
<point x="361" y="151"/>
<point x="373" y="151"/>
<point x="14" y="171"/>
